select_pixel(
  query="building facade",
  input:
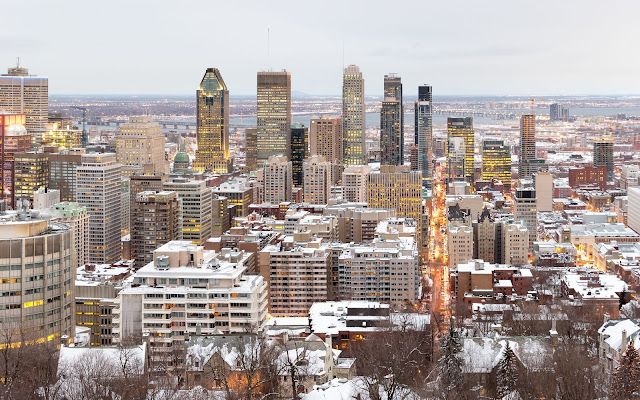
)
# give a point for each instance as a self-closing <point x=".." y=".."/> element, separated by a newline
<point x="278" y="180"/>
<point x="317" y="180"/>
<point x="496" y="162"/>
<point x="299" y="152"/>
<point x="274" y="115"/>
<point x="140" y="142"/>
<point x="353" y="116"/>
<point x="461" y="128"/>
<point x="424" y="130"/>
<point x="195" y="198"/>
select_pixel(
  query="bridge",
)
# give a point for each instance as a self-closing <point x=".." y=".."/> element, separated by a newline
<point x="476" y="113"/>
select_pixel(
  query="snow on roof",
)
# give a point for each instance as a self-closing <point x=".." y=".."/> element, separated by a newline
<point x="344" y="389"/>
<point x="594" y="285"/>
<point x="613" y="329"/>
<point x="481" y="355"/>
<point x="134" y="356"/>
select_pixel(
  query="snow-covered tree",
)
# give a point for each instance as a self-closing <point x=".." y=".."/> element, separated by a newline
<point x="451" y="364"/>
<point x="507" y="373"/>
<point x="626" y="378"/>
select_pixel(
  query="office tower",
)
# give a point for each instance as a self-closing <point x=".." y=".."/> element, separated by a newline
<point x="527" y="145"/>
<point x="274" y="115"/>
<point x="633" y="209"/>
<point x="140" y="142"/>
<point x="185" y="275"/>
<point x="558" y="112"/>
<point x="353" y="116"/>
<point x="299" y="151"/>
<point x="212" y="124"/>
<point x="30" y="173"/>
<point x="38" y="279"/>
<point x="99" y="190"/>
<point x="544" y="191"/>
<point x="155" y="220"/>
<point x="278" y="180"/>
<point x="251" y="149"/>
<point x="44" y="198"/>
<point x="461" y="141"/>
<point x="65" y="137"/>
<point x="147" y="180"/>
<point x="21" y="93"/>
<point x="77" y="217"/>
<point x="392" y="122"/>
<point x="486" y="235"/>
<point x="424" y="129"/>
<point x="220" y="216"/>
<point x="325" y="139"/>
<point x="397" y="188"/>
<point x="354" y="183"/>
<point x="13" y="139"/>
<point x="496" y="162"/>
<point x="239" y="194"/>
<point x="125" y="208"/>
<point x="196" y="198"/>
<point x="524" y="210"/>
<point x="62" y="171"/>
<point x="603" y="154"/>
<point x="297" y="277"/>
<point x="317" y="180"/>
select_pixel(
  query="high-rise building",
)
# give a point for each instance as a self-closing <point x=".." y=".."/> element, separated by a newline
<point x="65" y="137"/>
<point x="62" y="171"/>
<point x="278" y="180"/>
<point x="353" y="116"/>
<point x="299" y="151"/>
<point x="220" y="216"/>
<point x="251" y="149"/>
<point x="496" y="162"/>
<point x="461" y="128"/>
<point x="30" y="173"/>
<point x="239" y="194"/>
<point x="354" y="183"/>
<point x="77" y="217"/>
<point x="317" y="180"/>
<point x="196" y="200"/>
<point x="424" y="129"/>
<point x="125" y="209"/>
<point x="13" y="139"/>
<point x="38" y="279"/>
<point x="155" y="220"/>
<point x="603" y="154"/>
<point x="325" y="139"/>
<point x="274" y="115"/>
<point x="99" y="190"/>
<point x="212" y="124"/>
<point x="633" y="209"/>
<point x="147" y="180"/>
<point x="543" y="183"/>
<point x="21" y="93"/>
<point x="527" y="145"/>
<point x="515" y="244"/>
<point x="524" y="209"/>
<point x="140" y="142"/>
<point x="459" y="244"/>
<point x="392" y="122"/>
<point x="558" y="112"/>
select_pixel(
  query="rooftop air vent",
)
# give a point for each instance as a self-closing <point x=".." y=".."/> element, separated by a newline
<point x="162" y="263"/>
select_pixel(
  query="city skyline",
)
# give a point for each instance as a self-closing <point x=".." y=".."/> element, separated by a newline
<point x="485" y="52"/>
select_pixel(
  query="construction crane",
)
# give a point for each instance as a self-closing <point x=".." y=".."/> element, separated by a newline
<point x="85" y="139"/>
<point x="532" y="104"/>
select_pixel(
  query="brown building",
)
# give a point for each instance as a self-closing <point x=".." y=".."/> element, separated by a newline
<point x="13" y="139"/>
<point x="148" y="180"/>
<point x="325" y="139"/>
<point x="243" y="239"/>
<point x="251" y="149"/>
<point x="30" y="173"/>
<point x="477" y="281"/>
<point x="220" y="216"/>
<point x="155" y="220"/>
<point x="588" y="176"/>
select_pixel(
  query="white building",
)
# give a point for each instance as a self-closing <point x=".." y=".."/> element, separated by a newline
<point x="278" y="180"/>
<point x="614" y="337"/>
<point x="524" y="209"/>
<point x="196" y="202"/>
<point x="140" y="142"/>
<point x="633" y="208"/>
<point x="44" y="198"/>
<point x="77" y="217"/>
<point x="459" y="244"/>
<point x="98" y="189"/>
<point x="317" y="180"/>
<point x="515" y="244"/>
<point x="189" y="290"/>
<point x="354" y="183"/>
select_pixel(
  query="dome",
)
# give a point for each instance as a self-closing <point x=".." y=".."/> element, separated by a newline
<point x="16" y="130"/>
<point x="181" y="158"/>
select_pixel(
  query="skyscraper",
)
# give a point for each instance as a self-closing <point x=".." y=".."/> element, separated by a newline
<point x="558" y="112"/>
<point x="325" y="139"/>
<point x="424" y="129"/>
<point x="353" y="116"/>
<point x="140" y="142"/>
<point x="21" y="93"/>
<point x="196" y="201"/>
<point x="527" y="145"/>
<point x="603" y="154"/>
<point x="13" y="139"/>
<point x="391" y="122"/>
<point x="251" y="149"/>
<point x="30" y="173"/>
<point x="496" y="162"/>
<point x="317" y="180"/>
<point x="99" y="190"/>
<point x="299" y="151"/>
<point x="212" y="124"/>
<point x="278" y="182"/>
<point x="274" y="115"/>
<point x="461" y="128"/>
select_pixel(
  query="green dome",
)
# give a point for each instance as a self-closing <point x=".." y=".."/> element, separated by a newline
<point x="181" y="158"/>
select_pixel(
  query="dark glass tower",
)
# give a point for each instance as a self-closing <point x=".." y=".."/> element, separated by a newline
<point x="424" y="129"/>
<point x="392" y="122"/>
<point x="299" y="150"/>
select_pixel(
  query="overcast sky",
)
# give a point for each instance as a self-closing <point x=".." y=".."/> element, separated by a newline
<point x="460" y="47"/>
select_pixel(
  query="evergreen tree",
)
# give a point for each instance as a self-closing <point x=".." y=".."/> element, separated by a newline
<point x="622" y="298"/>
<point x="451" y="371"/>
<point x="507" y="373"/>
<point x="626" y="378"/>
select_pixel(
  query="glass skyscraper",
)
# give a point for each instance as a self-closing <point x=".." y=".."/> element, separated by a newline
<point x="274" y="115"/>
<point x="424" y="129"/>
<point x="461" y="128"/>
<point x="392" y="122"/>
<point x="353" y="117"/>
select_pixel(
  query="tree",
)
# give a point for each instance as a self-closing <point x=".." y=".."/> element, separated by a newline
<point x="626" y="378"/>
<point x="622" y="300"/>
<point x="450" y="362"/>
<point x="507" y="373"/>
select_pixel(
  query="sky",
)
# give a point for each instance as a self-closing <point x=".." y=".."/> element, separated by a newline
<point x="471" y="47"/>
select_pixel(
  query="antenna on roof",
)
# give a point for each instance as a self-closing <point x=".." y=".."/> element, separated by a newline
<point x="343" y="55"/>
<point x="18" y="63"/>
<point x="268" y="48"/>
